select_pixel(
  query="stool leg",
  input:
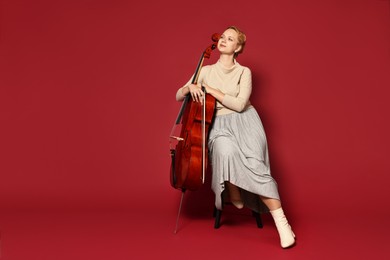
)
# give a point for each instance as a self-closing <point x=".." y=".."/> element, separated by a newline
<point x="258" y="219"/>
<point x="217" y="215"/>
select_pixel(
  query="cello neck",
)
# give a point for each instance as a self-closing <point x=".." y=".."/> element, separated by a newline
<point x="197" y="71"/>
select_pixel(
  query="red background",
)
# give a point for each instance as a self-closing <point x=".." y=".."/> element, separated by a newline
<point x="87" y="101"/>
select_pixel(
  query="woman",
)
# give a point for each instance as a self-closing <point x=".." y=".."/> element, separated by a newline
<point x="237" y="142"/>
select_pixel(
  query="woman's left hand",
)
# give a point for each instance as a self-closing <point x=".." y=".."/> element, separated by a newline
<point x="207" y="88"/>
<point x="214" y="92"/>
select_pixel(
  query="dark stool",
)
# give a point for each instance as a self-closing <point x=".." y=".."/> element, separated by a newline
<point x="217" y="215"/>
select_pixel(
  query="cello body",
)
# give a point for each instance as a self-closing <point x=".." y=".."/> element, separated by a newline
<point x="188" y="162"/>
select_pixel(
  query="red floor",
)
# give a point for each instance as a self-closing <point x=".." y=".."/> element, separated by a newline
<point x="140" y="233"/>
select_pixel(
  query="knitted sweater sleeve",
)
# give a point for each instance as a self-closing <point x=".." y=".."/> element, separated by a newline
<point x="203" y="72"/>
<point x="240" y="102"/>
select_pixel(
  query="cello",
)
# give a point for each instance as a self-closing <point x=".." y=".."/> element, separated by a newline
<point x="189" y="154"/>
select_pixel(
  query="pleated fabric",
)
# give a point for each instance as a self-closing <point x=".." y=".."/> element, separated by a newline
<point x="239" y="154"/>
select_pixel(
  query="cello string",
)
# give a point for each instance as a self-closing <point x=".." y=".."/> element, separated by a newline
<point x="203" y="134"/>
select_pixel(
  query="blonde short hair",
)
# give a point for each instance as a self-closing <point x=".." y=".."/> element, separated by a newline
<point x="241" y="38"/>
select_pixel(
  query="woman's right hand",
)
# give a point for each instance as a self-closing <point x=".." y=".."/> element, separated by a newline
<point x="196" y="92"/>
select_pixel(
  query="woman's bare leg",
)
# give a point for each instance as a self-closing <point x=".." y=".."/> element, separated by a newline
<point x="235" y="195"/>
<point x="272" y="204"/>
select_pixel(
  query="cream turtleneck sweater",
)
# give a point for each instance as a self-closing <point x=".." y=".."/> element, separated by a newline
<point x="234" y="82"/>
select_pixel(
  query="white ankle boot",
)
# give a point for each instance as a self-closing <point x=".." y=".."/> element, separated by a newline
<point x="287" y="236"/>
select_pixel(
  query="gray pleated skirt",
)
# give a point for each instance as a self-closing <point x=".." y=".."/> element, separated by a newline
<point x="239" y="154"/>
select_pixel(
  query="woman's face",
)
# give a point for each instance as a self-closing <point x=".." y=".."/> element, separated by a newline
<point x="228" y="43"/>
